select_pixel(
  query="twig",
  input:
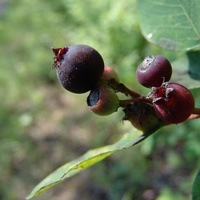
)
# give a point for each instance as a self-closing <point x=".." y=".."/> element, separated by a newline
<point x="120" y="87"/>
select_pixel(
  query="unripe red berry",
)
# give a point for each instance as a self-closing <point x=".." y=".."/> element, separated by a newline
<point x="103" y="101"/>
<point x="153" y="71"/>
<point x="172" y="102"/>
<point x="78" y="67"/>
<point x="109" y="73"/>
<point x="143" y="117"/>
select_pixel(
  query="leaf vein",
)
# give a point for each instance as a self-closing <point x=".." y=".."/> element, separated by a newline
<point x="189" y="19"/>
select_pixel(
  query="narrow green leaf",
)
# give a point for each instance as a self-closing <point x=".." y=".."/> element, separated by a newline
<point x="171" y="24"/>
<point x="196" y="187"/>
<point x="89" y="158"/>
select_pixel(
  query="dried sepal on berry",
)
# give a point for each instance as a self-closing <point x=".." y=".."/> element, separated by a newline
<point x="58" y="55"/>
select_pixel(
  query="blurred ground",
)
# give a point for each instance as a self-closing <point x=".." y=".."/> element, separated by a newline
<point x="42" y="126"/>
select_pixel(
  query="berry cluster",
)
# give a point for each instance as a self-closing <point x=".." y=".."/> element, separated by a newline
<point x="80" y="69"/>
<point x="172" y="102"/>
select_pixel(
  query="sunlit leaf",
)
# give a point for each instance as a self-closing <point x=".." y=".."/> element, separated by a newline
<point x="171" y="24"/>
<point x="196" y="187"/>
<point x="89" y="158"/>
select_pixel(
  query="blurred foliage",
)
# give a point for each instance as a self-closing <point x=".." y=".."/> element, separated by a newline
<point x="42" y="126"/>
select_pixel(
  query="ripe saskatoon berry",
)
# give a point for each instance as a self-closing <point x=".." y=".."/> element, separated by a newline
<point x="103" y="101"/>
<point x="109" y="73"/>
<point x="172" y="102"/>
<point x="78" y="67"/>
<point x="153" y="71"/>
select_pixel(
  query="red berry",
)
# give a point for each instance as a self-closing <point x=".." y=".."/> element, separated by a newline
<point x="109" y="73"/>
<point x="78" y="67"/>
<point x="103" y="101"/>
<point x="153" y="71"/>
<point x="172" y="102"/>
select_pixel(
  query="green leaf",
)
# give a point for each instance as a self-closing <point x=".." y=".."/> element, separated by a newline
<point x="89" y="158"/>
<point x="186" y="70"/>
<point x="171" y="24"/>
<point x="194" y="64"/>
<point x="196" y="187"/>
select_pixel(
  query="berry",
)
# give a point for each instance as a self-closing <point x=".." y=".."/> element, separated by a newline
<point x="153" y="71"/>
<point x="109" y="73"/>
<point x="78" y="67"/>
<point x="143" y="117"/>
<point x="103" y="101"/>
<point x="172" y="102"/>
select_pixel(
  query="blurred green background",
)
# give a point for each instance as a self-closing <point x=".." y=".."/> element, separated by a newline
<point x="42" y="126"/>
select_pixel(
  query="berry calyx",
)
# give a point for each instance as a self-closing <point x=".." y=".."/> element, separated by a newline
<point x="172" y="102"/>
<point x="153" y="71"/>
<point x="59" y="55"/>
<point x="78" y="67"/>
<point x="103" y="101"/>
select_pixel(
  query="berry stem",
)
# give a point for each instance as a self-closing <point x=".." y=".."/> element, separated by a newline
<point x="125" y="102"/>
<point x="120" y="87"/>
<point x="195" y="114"/>
<point x="196" y="111"/>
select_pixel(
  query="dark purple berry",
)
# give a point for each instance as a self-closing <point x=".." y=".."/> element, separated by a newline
<point x="153" y="71"/>
<point x="78" y="67"/>
<point x="103" y="101"/>
<point x="172" y="102"/>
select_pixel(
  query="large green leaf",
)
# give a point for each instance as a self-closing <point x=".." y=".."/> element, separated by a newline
<point x="89" y="158"/>
<point x="186" y="70"/>
<point x="194" y="64"/>
<point x="171" y="24"/>
<point x="196" y="187"/>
